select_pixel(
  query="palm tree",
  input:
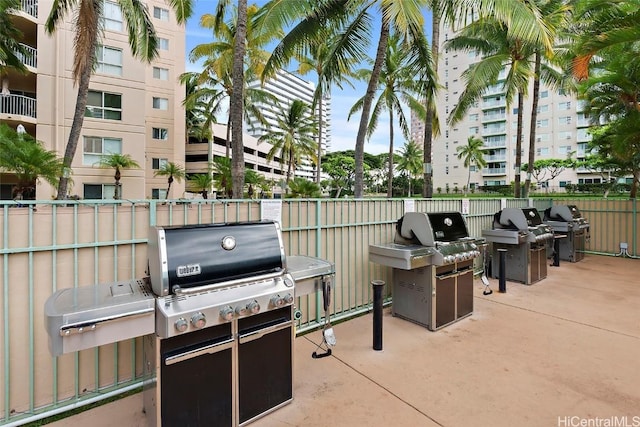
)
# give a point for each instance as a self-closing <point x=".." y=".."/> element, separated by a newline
<point x="411" y="161"/>
<point x="10" y="49"/>
<point x="301" y="187"/>
<point x="202" y="183"/>
<point x="117" y="161"/>
<point x="472" y="154"/>
<point x="88" y="17"/>
<point x="293" y="137"/>
<point x="612" y="96"/>
<point x="172" y="171"/>
<point x="499" y="51"/>
<point x="353" y="21"/>
<point x="603" y="24"/>
<point x="222" y="175"/>
<point x="236" y="106"/>
<point x="216" y="81"/>
<point x="28" y="160"/>
<point x="397" y="83"/>
<point x="555" y="15"/>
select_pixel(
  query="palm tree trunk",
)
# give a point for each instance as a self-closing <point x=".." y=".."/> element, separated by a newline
<point x="427" y="190"/>
<point x="237" y="103"/>
<point x="390" y="172"/>
<point x="519" y="144"/>
<point x="228" y="141"/>
<point x="366" y="109"/>
<point x="534" y="120"/>
<point x="169" y="181"/>
<point x="76" y="126"/>
<point x="320" y="138"/>
<point x="634" y="185"/>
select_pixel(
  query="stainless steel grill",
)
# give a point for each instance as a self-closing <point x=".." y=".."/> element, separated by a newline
<point x="571" y="228"/>
<point x="432" y="258"/>
<point x="217" y="316"/>
<point x="527" y="241"/>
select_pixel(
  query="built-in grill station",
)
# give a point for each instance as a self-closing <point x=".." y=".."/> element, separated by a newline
<point x="216" y="312"/>
<point x="527" y="242"/>
<point x="432" y="258"/>
<point x="571" y="228"/>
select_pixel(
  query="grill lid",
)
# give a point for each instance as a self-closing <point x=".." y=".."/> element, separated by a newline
<point x="429" y="228"/>
<point x="198" y="255"/>
<point x="517" y="218"/>
<point x="567" y="213"/>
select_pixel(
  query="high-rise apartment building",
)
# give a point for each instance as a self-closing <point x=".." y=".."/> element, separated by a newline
<point x="287" y="87"/>
<point x="133" y="107"/>
<point x="561" y="130"/>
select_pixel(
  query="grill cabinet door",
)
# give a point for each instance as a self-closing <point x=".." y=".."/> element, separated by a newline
<point x="265" y="362"/>
<point x="196" y="378"/>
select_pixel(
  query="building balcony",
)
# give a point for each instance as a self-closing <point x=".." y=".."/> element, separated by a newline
<point x="494" y="131"/>
<point x="494" y="171"/>
<point x="492" y="103"/>
<point x="30" y="7"/>
<point x="31" y="59"/>
<point x="493" y="117"/>
<point x="17" y="105"/>
<point x="496" y="158"/>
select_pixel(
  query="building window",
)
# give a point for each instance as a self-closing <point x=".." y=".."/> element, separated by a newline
<point x="158" y="163"/>
<point x="542" y="123"/>
<point x="160" y="73"/>
<point x="564" y="135"/>
<point x="543" y="151"/>
<point x="100" y="191"/>
<point x="112" y="16"/>
<point x="565" y="120"/>
<point x="159" y="193"/>
<point x="564" y="105"/>
<point x="95" y="147"/>
<point x="160" y="103"/>
<point x="564" y="149"/>
<point x="474" y="130"/>
<point x="109" y="60"/>
<point x="473" y="117"/>
<point x="160" y="133"/>
<point x="163" y="44"/>
<point x="543" y="108"/>
<point x="544" y="94"/>
<point x="563" y="184"/>
<point x="103" y="105"/>
<point x="161" y="14"/>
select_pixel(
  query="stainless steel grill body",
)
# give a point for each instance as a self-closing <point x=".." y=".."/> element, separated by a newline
<point x="571" y="228"/>
<point x="527" y="242"/>
<point x="432" y="258"/>
<point x="216" y="313"/>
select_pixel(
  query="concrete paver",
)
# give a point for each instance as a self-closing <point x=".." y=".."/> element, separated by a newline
<point x="560" y="351"/>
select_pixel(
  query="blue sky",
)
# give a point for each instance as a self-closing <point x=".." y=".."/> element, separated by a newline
<point x="343" y="131"/>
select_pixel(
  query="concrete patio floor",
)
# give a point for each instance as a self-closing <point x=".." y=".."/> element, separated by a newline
<point x="560" y="352"/>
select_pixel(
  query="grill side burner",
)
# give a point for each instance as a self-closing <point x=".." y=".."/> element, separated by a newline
<point x="568" y="222"/>
<point x="432" y="259"/>
<point x="526" y="239"/>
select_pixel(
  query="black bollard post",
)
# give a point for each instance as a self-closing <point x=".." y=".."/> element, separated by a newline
<point x="556" y="252"/>
<point x="378" y="285"/>
<point x="502" y="279"/>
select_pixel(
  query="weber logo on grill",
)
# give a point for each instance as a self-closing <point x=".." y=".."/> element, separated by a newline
<point x="188" y="270"/>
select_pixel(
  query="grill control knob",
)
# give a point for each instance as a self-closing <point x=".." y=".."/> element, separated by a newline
<point x="242" y="310"/>
<point x="226" y="313"/>
<point x="277" y="301"/>
<point x="198" y="320"/>
<point x="253" y="307"/>
<point x="288" y="299"/>
<point x="181" y="324"/>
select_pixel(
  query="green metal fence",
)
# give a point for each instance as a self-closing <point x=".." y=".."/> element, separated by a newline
<point x="50" y="245"/>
